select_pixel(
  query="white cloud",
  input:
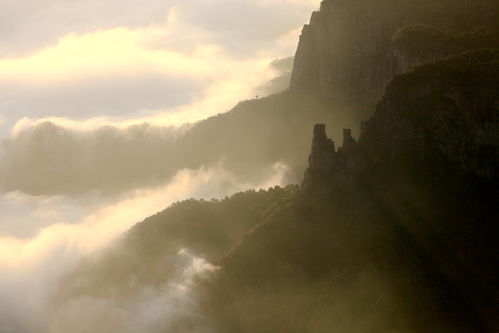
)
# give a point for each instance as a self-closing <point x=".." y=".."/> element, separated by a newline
<point x="114" y="74"/>
<point x="163" y="62"/>
<point x="155" y="309"/>
<point x="100" y="227"/>
<point x="29" y="268"/>
<point x="28" y="24"/>
<point x="101" y="71"/>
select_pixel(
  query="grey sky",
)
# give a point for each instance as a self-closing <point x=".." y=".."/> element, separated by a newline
<point x="111" y="75"/>
<point x="229" y="39"/>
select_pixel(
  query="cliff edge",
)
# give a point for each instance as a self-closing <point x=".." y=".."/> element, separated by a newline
<point x="394" y="232"/>
<point x="351" y="49"/>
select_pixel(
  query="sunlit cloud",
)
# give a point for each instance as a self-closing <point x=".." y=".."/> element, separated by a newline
<point x="105" y="73"/>
<point x="30" y="267"/>
<point x="29" y="25"/>
<point x="108" y="52"/>
<point x="193" y="60"/>
<point x="154" y="309"/>
<point x="102" y="226"/>
<point x="122" y="54"/>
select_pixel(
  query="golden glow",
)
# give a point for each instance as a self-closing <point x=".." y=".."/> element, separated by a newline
<point x="102" y="53"/>
<point x="101" y="227"/>
<point x="125" y="52"/>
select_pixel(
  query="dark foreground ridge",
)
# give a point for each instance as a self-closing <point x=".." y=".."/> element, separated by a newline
<point x="395" y="232"/>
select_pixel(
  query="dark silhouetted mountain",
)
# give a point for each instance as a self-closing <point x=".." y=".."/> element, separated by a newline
<point x="393" y="232"/>
<point x="347" y="51"/>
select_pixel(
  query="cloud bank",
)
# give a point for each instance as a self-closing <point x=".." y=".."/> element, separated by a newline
<point x="130" y="61"/>
<point x="47" y="158"/>
<point x="29" y="25"/>
<point x="93" y="94"/>
<point x="31" y="267"/>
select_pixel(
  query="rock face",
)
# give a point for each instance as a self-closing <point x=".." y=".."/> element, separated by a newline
<point x="430" y="156"/>
<point x="399" y="226"/>
<point x="329" y="169"/>
<point x="344" y="59"/>
<point x="347" y="51"/>
<point x="439" y="121"/>
<point x="323" y="150"/>
<point x="442" y="119"/>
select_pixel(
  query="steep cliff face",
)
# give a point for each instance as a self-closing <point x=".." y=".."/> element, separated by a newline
<point x="393" y="233"/>
<point x="347" y="51"/>
<point x="442" y="118"/>
<point x="430" y="155"/>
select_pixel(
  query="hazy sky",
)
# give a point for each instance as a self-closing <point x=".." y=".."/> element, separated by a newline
<point x="89" y="64"/>
<point x="94" y="68"/>
<point x="86" y="65"/>
<point x="128" y="59"/>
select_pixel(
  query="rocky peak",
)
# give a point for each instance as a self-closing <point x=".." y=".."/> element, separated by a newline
<point x="348" y="141"/>
<point x="325" y="163"/>
<point x="327" y="4"/>
<point x="323" y="149"/>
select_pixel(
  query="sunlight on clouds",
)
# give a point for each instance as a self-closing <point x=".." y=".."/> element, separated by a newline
<point x="63" y="241"/>
<point x="217" y="98"/>
<point x="126" y="52"/>
<point x="30" y="269"/>
<point x="88" y="64"/>
<point x="237" y="83"/>
<point x="103" y="53"/>
<point x="125" y="74"/>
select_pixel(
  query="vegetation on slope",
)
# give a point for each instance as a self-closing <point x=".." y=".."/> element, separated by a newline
<point x="410" y="247"/>
<point x="148" y="255"/>
<point x="398" y="250"/>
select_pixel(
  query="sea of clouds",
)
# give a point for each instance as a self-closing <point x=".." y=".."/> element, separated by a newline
<point x="89" y="90"/>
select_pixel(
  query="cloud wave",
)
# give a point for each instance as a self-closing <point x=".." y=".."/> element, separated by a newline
<point x="31" y="267"/>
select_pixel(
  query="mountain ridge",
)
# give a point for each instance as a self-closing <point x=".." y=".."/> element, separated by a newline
<point x="393" y="232"/>
<point x="392" y="210"/>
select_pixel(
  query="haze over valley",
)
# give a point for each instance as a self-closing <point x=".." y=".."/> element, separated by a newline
<point x="243" y="166"/>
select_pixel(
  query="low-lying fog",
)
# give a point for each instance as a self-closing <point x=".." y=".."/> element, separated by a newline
<point x="44" y="237"/>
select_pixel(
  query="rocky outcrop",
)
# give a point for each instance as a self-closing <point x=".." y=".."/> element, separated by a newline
<point x="323" y="152"/>
<point x="441" y="119"/>
<point x="330" y="170"/>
